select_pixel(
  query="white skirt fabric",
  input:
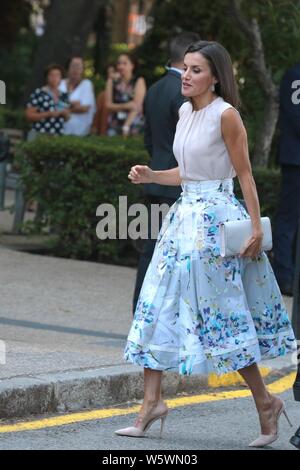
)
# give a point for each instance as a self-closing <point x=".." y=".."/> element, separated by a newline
<point x="198" y="312"/>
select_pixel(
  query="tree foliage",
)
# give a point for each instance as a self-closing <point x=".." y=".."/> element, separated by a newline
<point x="279" y="23"/>
<point x="14" y="15"/>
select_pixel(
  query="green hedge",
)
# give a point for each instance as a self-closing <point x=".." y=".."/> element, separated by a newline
<point x="70" y="177"/>
<point x="13" y="118"/>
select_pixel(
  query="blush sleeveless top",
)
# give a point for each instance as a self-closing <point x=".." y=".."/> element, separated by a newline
<point x="199" y="147"/>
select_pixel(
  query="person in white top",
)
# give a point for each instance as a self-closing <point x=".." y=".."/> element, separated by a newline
<point x="197" y="311"/>
<point x="82" y="99"/>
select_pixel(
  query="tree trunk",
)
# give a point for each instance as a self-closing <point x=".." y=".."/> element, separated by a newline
<point x="266" y="131"/>
<point x="103" y="39"/>
<point x="68" y="24"/>
<point x="120" y="20"/>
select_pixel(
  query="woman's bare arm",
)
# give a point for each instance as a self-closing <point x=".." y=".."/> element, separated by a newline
<point x="143" y="174"/>
<point x="139" y="96"/>
<point x="33" y="115"/>
<point x="79" y="108"/>
<point x="235" y="137"/>
<point x="168" y="177"/>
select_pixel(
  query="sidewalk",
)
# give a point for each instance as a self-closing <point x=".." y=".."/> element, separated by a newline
<point x="64" y="324"/>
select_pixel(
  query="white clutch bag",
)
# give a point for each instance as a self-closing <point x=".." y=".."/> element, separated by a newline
<point x="235" y="234"/>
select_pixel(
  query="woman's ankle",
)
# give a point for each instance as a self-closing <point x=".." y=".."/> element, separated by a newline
<point x="268" y="402"/>
<point x="264" y="403"/>
<point x="153" y="403"/>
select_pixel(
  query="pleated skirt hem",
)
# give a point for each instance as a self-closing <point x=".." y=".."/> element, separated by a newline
<point x="205" y="362"/>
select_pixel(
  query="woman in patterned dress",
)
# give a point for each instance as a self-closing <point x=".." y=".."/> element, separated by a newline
<point x="48" y="108"/>
<point x="124" y="98"/>
<point x="197" y="311"/>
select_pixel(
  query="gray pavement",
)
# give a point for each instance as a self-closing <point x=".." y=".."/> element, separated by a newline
<point x="58" y="314"/>
<point x="228" y="424"/>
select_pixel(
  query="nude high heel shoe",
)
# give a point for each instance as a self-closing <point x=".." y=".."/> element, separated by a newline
<point x="133" y="431"/>
<point x="266" y="439"/>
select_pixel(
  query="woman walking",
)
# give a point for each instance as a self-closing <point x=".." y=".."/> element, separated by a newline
<point x="197" y="311"/>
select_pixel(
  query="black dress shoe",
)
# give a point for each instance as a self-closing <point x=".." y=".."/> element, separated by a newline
<point x="295" y="440"/>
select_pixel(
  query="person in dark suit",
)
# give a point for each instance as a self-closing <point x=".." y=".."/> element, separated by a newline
<point x="288" y="214"/>
<point x="161" y="106"/>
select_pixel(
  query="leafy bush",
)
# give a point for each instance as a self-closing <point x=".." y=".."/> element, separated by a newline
<point x="70" y="177"/>
<point x="13" y="118"/>
<point x="16" y="60"/>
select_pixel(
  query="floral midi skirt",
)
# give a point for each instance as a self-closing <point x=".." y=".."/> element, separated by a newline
<point x="199" y="312"/>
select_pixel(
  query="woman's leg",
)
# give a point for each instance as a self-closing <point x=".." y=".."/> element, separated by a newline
<point x="266" y="404"/>
<point x="152" y="396"/>
<point x="152" y="386"/>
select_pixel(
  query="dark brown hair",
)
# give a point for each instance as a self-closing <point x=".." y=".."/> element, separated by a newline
<point x="221" y="67"/>
<point x="70" y="59"/>
<point x="133" y="59"/>
<point x="178" y="45"/>
<point x="51" y="67"/>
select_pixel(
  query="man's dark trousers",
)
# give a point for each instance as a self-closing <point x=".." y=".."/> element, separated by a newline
<point x="286" y="225"/>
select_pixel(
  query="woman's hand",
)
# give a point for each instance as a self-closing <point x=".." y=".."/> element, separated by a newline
<point x="75" y="104"/>
<point x="141" y="174"/>
<point x="253" y="246"/>
<point x="65" y="113"/>
<point x="125" y="130"/>
<point x="53" y="114"/>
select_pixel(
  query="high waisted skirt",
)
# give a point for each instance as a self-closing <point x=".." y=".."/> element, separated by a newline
<point x="199" y="312"/>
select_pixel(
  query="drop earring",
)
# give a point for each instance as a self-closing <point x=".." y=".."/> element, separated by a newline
<point x="213" y="88"/>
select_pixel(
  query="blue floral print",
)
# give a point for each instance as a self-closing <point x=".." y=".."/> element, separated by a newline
<point x="198" y="312"/>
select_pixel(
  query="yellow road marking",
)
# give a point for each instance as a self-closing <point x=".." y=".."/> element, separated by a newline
<point x="231" y="378"/>
<point x="279" y="386"/>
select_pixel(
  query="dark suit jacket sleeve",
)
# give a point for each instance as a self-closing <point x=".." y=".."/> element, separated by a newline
<point x="147" y="130"/>
<point x="290" y="110"/>
<point x="176" y="104"/>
